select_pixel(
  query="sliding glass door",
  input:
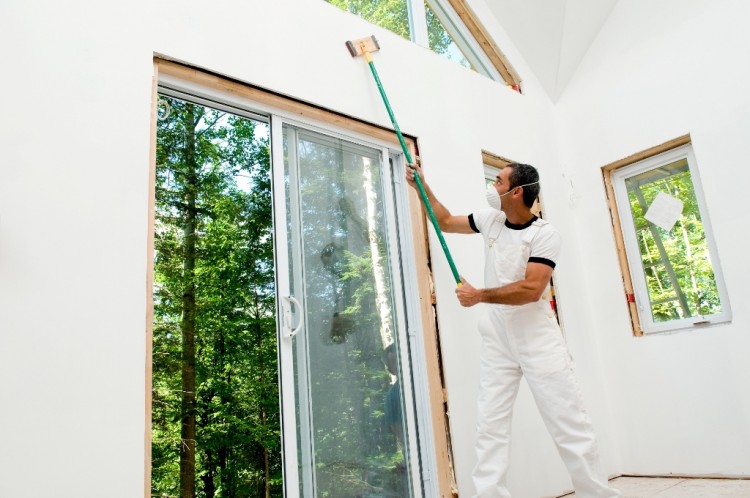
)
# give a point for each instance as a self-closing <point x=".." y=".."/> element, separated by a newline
<point x="347" y="428"/>
<point x="349" y="354"/>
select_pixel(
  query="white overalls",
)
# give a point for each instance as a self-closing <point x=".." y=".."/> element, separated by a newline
<point x="526" y="340"/>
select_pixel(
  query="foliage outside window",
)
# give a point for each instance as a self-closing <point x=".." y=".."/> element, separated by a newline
<point x="432" y="24"/>
<point x="676" y="277"/>
<point x="215" y="409"/>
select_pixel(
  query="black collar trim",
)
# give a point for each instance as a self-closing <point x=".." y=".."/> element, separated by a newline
<point x="513" y="226"/>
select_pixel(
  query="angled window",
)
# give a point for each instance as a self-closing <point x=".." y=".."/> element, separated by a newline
<point x="673" y="276"/>
<point x="447" y="27"/>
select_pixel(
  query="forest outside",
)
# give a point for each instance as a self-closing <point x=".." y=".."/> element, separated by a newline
<point x="215" y="409"/>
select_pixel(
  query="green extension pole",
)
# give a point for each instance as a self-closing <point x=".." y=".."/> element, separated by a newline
<point x="418" y="181"/>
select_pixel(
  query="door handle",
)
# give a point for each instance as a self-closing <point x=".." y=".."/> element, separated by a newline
<point x="288" y="330"/>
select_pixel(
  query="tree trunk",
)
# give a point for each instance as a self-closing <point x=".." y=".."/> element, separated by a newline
<point x="187" y="448"/>
<point x="262" y="370"/>
<point x="265" y="463"/>
<point x="225" y="478"/>
<point x="209" y="485"/>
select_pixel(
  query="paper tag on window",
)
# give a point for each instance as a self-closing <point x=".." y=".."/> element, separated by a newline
<point x="664" y="211"/>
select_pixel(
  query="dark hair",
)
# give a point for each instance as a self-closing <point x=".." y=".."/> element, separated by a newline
<point x="523" y="175"/>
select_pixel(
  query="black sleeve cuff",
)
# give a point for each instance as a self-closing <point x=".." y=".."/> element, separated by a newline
<point x="543" y="261"/>
<point x="471" y="223"/>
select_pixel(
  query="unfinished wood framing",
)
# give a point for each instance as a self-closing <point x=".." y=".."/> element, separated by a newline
<point x="265" y="97"/>
<point x="607" y="172"/>
<point x="438" y="394"/>
<point x="494" y="160"/>
<point x="438" y="402"/>
<point x="485" y="41"/>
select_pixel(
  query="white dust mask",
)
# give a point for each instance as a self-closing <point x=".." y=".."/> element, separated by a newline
<point x="493" y="198"/>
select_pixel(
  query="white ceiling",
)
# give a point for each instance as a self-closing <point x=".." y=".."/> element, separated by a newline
<point x="552" y="35"/>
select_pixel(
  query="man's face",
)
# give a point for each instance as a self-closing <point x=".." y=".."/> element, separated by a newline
<point x="502" y="184"/>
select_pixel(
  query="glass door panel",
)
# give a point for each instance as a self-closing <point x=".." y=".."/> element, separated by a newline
<point x="346" y="377"/>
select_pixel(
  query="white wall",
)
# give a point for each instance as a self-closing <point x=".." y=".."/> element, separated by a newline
<point x="74" y="129"/>
<point x="659" y="70"/>
<point x="74" y="196"/>
<point x="74" y="222"/>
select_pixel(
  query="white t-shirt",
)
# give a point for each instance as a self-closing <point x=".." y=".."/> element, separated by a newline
<point x="544" y="247"/>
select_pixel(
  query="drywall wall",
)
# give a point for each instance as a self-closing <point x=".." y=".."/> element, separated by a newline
<point x="74" y="223"/>
<point x="74" y="132"/>
<point x="659" y="70"/>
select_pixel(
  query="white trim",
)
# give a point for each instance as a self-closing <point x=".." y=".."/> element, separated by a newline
<point x="300" y="346"/>
<point x="413" y="327"/>
<point x="285" y="356"/>
<point x="418" y="23"/>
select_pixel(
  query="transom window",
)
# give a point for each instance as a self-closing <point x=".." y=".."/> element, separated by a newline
<point x="671" y="259"/>
<point x="446" y="27"/>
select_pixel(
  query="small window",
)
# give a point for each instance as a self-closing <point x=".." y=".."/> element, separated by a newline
<point x="673" y="276"/>
<point x="447" y="27"/>
<point x="492" y="166"/>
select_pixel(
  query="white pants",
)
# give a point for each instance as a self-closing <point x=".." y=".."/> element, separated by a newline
<point x="526" y="340"/>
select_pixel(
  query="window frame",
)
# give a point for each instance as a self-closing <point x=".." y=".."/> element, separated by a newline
<point x="631" y="267"/>
<point x="462" y="15"/>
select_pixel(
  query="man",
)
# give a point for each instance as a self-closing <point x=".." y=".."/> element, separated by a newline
<point x="520" y="335"/>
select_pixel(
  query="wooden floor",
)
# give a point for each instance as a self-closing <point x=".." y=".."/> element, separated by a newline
<point x="679" y="487"/>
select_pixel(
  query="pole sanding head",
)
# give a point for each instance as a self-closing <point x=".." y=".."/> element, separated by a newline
<point x="362" y="45"/>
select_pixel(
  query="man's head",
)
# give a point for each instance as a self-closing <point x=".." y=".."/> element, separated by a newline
<point x="526" y="176"/>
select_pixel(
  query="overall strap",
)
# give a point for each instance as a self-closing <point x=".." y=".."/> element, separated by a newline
<point x="532" y="231"/>
<point x="500" y="221"/>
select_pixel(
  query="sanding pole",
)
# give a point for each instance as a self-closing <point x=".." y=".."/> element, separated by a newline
<point x="363" y="47"/>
